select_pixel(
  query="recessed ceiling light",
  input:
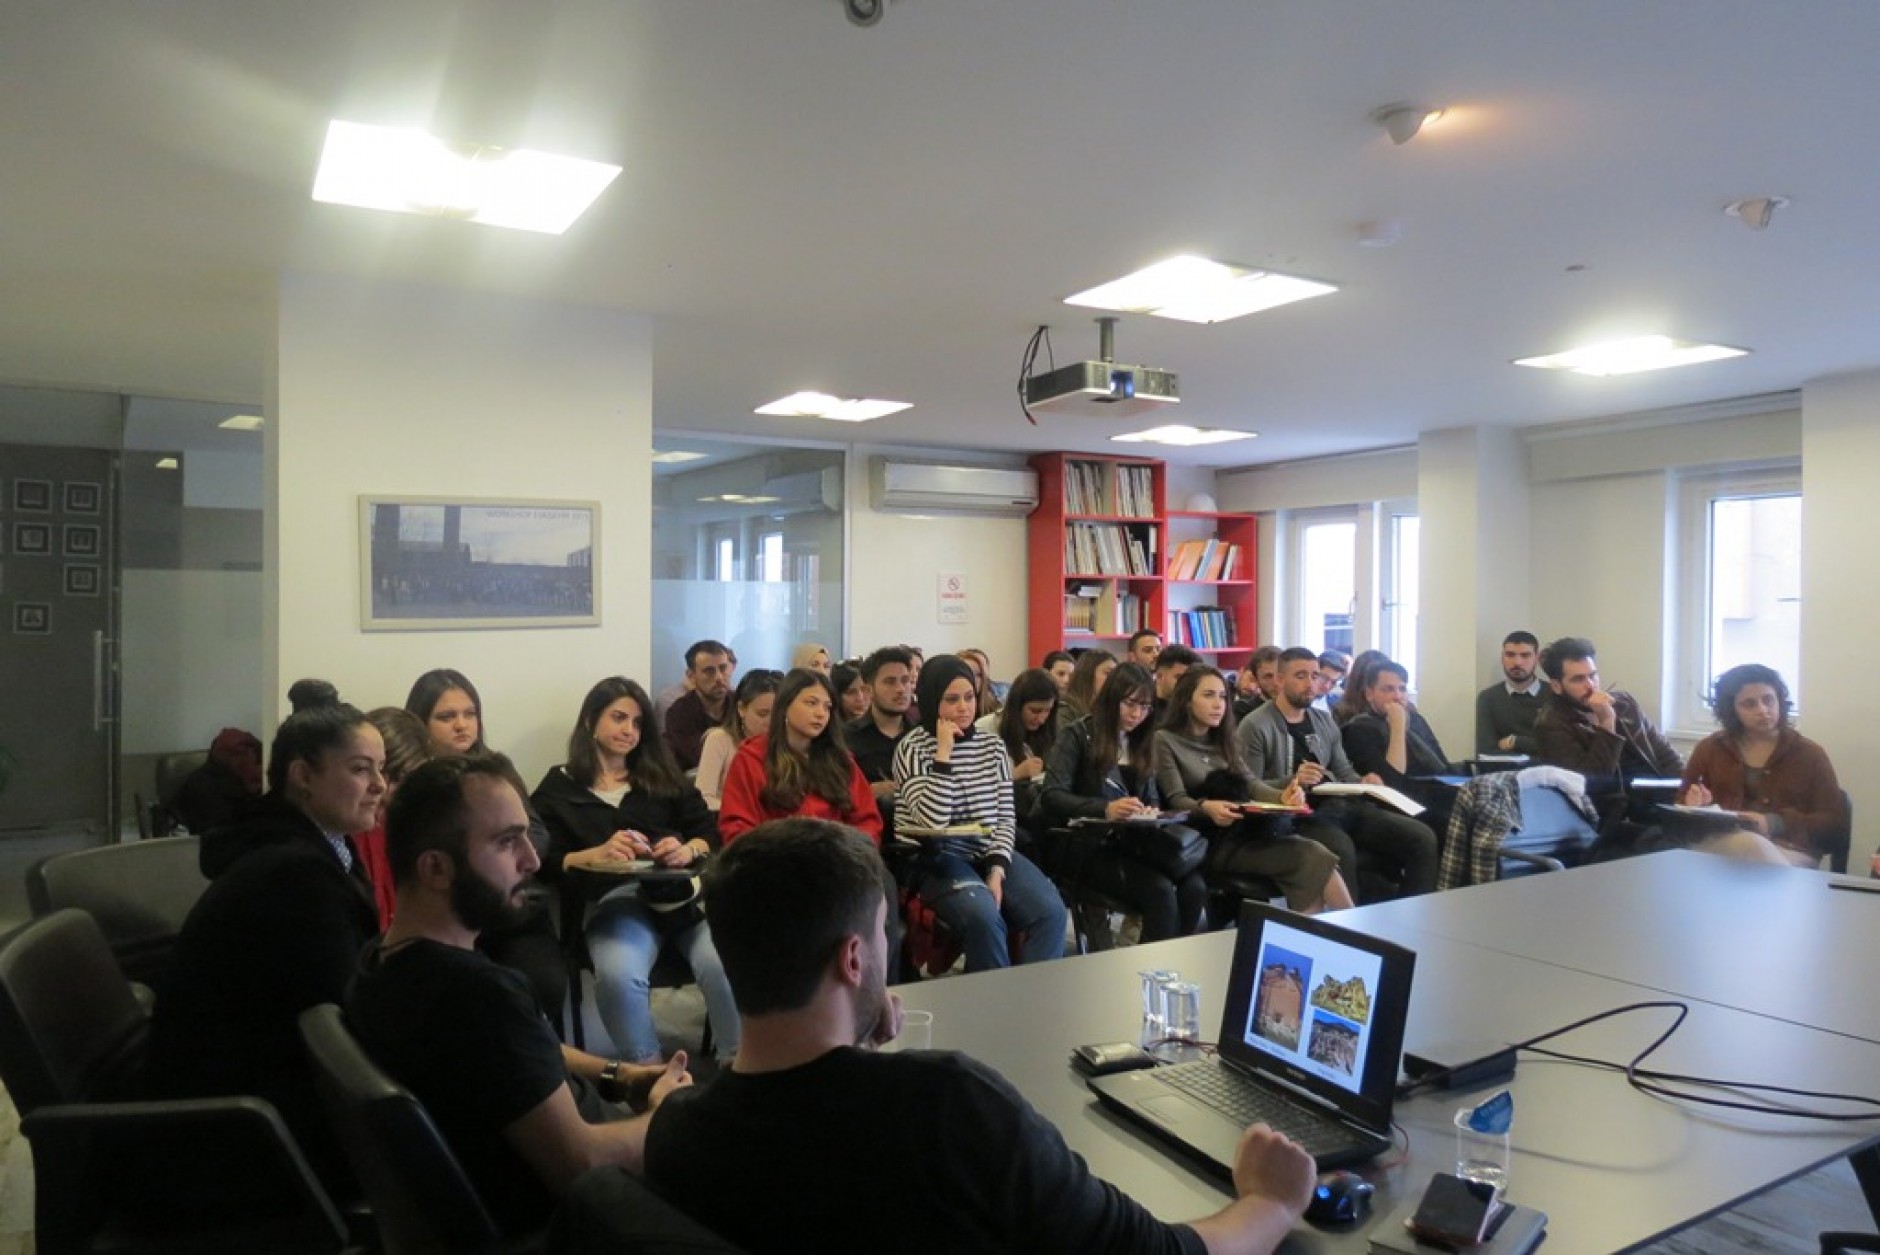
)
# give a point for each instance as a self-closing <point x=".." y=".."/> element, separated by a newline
<point x="822" y="405"/>
<point x="406" y="171"/>
<point x="1195" y="289"/>
<point x="167" y="464"/>
<point x="1631" y="356"/>
<point x="243" y="422"/>
<point x="676" y="455"/>
<point x="1177" y="434"/>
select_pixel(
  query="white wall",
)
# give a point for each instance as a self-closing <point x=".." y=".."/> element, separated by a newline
<point x="383" y="388"/>
<point x="1840" y="604"/>
<point x="896" y="561"/>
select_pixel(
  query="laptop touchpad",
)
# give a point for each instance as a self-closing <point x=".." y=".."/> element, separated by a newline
<point x="1173" y="1110"/>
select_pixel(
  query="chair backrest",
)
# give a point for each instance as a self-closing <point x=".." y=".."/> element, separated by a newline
<point x="139" y="892"/>
<point x="70" y="1029"/>
<point x="421" y="1201"/>
<point x="173" y="769"/>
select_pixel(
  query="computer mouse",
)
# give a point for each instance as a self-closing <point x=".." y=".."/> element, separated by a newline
<point x="1340" y="1198"/>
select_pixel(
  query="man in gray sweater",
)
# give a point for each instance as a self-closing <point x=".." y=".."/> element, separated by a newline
<point x="1289" y="739"/>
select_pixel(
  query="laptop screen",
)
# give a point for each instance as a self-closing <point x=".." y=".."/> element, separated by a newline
<point x="1320" y="1007"/>
<point x="1312" y="1004"/>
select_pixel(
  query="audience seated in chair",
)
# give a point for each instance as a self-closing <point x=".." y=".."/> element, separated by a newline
<point x="709" y="666"/>
<point x="620" y="800"/>
<point x="1198" y="769"/>
<point x="1289" y="739"/>
<point x="872" y="738"/>
<point x="1103" y="769"/>
<point x="1394" y="742"/>
<point x="278" y="930"/>
<point x="1505" y="711"/>
<point x="1257" y="683"/>
<point x="1092" y="669"/>
<point x="524" y="1115"/>
<point x="948" y="773"/>
<point x="214" y="794"/>
<point x="453" y="712"/>
<point x="812" y="1124"/>
<point x="407" y="747"/>
<point x="747" y="715"/>
<point x="1776" y="782"/>
<point x="800" y="767"/>
<point x="1059" y="664"/>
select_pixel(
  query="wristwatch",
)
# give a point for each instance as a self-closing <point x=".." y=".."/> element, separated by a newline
<point x="610" y="1086"/>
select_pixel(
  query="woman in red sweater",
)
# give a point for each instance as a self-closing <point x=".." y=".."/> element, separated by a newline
<point x="799" y="767"/>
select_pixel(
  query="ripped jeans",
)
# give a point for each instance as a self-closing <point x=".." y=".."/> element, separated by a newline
<point x="1030" y="906"/>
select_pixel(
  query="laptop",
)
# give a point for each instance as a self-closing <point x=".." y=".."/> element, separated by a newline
<point x="1311" y="1037"/>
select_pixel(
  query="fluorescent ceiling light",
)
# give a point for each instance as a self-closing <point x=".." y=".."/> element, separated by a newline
<point x="243" y="422"/>
<point x="676" y="455"/>
<point x="406" y="171"/>
<point x="1177" y="434"/>
<point x="1194" y="289"/>
<point x="822" y="405"/>
<point x="1630" y="356"/>
<point x="167" y="464"/>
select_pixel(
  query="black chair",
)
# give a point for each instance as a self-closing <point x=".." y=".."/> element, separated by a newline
<point x="422" y="1203"/>
<point x="138" y="892"/>
<point x="612" y="1212"/>
<point x="117" y="1175"/>
<point x="1839" y="1243"/>
<point x="158" y="819"/>
<point x="1070" y="854"/>
<point x="1836" y="842"/>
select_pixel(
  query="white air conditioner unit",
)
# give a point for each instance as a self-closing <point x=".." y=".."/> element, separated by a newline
<point x="923" y="486"/>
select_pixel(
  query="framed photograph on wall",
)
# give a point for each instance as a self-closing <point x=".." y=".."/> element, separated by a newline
<point x="32" y="538"/>
<point x="431" y="563"/>
<point x="82" y="540"/>
<point x="81" y="579"/>
<point x="82" y="497"/>
<point x="32" y="496"/>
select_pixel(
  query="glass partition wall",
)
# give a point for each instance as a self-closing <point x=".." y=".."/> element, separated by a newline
<point x="748" y="549"/>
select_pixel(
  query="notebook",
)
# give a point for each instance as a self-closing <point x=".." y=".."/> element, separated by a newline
<point x="1311" y="1036"/>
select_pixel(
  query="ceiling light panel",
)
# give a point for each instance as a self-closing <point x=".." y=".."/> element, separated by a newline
<point x="1631" y="356"/>
<point x="407" y="171"/>
<point x="1196" y="289"/>
<point x="1184" y="436"/>
<point x="841" y="410"/>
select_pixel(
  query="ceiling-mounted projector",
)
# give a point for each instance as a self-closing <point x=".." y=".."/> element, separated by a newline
<point x="1105" y="388"/>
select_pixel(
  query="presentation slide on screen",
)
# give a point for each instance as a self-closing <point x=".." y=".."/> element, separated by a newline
<point x="1313" y="1004"/>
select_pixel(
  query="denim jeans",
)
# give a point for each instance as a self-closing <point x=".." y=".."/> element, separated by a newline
<point x="624" y="940"/>
<point x="959" y="897"/>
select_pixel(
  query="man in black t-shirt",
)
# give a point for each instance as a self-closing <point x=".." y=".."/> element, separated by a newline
<point x="920" y="1151"/>
<point x="524" y="1114"/>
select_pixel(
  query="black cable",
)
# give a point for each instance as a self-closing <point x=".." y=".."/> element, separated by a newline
<point x="1647" y="1080"/>
<point x="1028" y="360"/>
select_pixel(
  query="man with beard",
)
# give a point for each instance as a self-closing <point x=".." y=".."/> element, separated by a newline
<point x="864" y="1151"/>
<point x="1505" y="712"/>
<point x="524" y="1114"/>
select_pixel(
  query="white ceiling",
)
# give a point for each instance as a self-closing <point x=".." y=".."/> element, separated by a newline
<point x="891" y="211"/>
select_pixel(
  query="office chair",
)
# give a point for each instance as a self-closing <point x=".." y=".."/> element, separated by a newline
<point x="422" y="1203"/>
<point x="118" y="1175"/>
<point x="139" y="893"/>
<point x="158" y="819"/>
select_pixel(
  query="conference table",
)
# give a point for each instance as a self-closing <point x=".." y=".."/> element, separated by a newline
<point x="1614" y="1169"/>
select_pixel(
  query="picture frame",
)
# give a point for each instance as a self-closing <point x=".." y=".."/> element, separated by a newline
<point x="83" y="497"/>
<point x="81" y="579"/>
<point x="83" y="540"/>
<point x="32" y="496"/>
<point x="32" y="539"/>
<point x="456" y="563"/>
<point x="32" y="618"/>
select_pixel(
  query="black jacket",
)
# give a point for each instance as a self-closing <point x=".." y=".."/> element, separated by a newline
<point x="578" y="820"/>
<point x="279" y="929"/>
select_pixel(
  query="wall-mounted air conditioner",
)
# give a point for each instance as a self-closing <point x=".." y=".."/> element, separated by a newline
<point x="925" y="486"/>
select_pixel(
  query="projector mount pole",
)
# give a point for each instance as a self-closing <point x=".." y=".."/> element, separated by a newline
<point x="1106" y="339"/>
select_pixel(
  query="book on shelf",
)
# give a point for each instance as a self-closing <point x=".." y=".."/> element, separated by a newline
<point x="1203" y="560"/>
<point x="1204" y="627"/>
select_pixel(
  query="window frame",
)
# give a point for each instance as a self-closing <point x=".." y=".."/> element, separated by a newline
<point x="1690" y="674"/>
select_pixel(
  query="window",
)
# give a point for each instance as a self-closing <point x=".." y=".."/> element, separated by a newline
<point x="770" y="557"/>
<point x="1403" y="531"/>
<point x="1740" y="542"/>
<point x="727" y="559"/>
<point x="1324" y="585"/>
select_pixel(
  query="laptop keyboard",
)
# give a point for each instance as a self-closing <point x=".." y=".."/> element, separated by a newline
<point x="1249" y="1103"/>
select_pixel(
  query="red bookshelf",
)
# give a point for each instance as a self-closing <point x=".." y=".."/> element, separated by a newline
<point x="1096" y="547"/>
<point x="1211" y="596"/>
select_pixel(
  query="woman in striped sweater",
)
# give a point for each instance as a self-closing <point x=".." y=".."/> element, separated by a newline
<point x="947" y="773"/>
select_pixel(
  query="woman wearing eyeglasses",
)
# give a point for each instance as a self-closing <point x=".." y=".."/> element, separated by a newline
<point x="1103" y="768"/>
